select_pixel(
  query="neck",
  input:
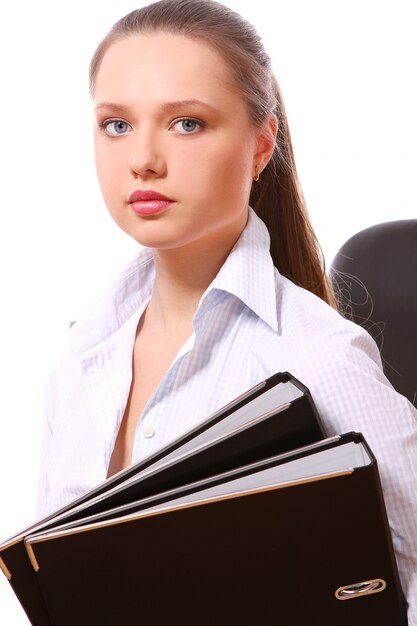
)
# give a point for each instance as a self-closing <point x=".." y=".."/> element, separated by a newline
<point x="182" y="276"/>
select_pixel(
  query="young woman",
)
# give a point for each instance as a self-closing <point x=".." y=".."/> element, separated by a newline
<point x="195" y="162"/>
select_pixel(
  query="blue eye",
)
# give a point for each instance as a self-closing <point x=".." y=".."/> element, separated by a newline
<point x="187" y="126"/>
<point x="115" y="128"/>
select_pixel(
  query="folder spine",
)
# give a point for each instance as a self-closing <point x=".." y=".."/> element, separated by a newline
<point x="31" y="555"/>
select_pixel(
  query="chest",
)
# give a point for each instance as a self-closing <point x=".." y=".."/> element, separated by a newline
<point x="153" y="354"/>
<point x="121" y="393"/>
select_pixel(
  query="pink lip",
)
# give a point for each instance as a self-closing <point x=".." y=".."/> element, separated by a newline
<point x="148" y="202"/>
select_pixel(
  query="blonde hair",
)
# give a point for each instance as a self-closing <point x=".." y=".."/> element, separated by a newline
<point x="277" y="196"/>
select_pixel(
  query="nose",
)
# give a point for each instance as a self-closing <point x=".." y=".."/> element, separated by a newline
<point x="146" y="158"/>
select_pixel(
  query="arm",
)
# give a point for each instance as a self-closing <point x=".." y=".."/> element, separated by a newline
<point x="344" y="375"/>
<point x="43" y="506"/>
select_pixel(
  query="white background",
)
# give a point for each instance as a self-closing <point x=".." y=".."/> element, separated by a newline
<point x="347" y="69"/>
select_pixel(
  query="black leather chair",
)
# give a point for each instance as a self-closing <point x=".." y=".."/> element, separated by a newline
<point x="375" y="276"/>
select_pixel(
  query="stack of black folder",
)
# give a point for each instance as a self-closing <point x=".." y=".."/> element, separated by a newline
<point x="251" y="518"/>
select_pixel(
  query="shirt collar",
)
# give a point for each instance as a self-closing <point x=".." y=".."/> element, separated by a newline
<point x="248" y="274"/>
<point x="128" y="294"/>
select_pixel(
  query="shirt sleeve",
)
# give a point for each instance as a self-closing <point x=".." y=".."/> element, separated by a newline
<point x="342" y="369"/>
<point x="60" y="378"/>
<point x="43" y="506"/>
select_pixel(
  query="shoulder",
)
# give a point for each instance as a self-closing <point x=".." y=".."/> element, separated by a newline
<point x="336" y="359"/>
<point x="310" y="325"/>
<point x="341" y="365"/>
<point x="308" y="308"/>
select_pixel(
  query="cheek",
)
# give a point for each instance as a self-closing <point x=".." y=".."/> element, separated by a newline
<point x="219" y="170"/>
<point x="101" y="161"/>
<point x="230" y="176"/>
<point x="108" y="171"/>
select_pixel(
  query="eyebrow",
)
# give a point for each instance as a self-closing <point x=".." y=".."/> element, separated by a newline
<point x="166" y="107"/>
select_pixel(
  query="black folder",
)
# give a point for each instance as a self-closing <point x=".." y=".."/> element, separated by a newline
<point x="297" y="539"/>
<point x="276" y="415"/>
<point x="241" y="535"/>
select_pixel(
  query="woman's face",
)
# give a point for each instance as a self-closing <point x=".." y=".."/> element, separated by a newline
<point x="170" y="121"/>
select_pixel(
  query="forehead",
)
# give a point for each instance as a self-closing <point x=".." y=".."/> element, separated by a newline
<point x="163" y="65"/>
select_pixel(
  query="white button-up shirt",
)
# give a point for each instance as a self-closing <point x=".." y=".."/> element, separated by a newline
<point x="250" y="323"/>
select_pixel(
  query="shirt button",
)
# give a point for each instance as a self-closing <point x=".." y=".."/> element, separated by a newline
<point x="148" y="431"/>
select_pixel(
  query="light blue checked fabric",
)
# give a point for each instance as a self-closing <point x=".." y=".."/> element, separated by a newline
<point x="251" y="322"/>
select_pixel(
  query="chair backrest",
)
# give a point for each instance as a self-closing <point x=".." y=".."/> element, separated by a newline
<point x="375" y="275"/>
